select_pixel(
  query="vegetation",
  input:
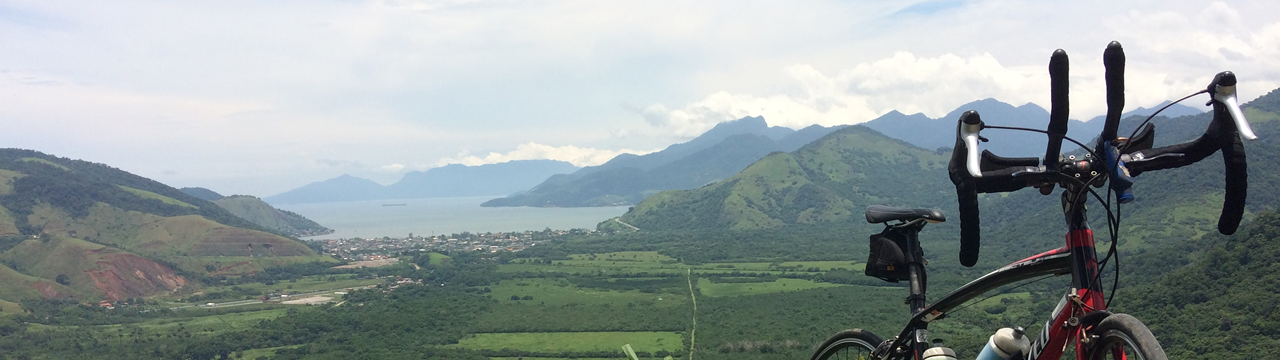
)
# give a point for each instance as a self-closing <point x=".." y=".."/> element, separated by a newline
<point x="259" y="212"/>
<point x="763" y="292"/>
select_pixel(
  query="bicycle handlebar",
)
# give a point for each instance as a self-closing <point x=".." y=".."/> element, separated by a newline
<point x="1127" y="158"/>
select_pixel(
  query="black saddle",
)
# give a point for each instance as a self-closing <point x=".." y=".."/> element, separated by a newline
<point x="880" y="214"/>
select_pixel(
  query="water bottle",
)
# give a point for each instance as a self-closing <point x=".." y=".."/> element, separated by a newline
<point x="939" y="353"/>
<point x="1004" y="343"/>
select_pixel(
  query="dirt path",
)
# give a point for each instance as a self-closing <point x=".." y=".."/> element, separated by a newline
<point x="626" y="224"/>
<point x="694" y="317"/>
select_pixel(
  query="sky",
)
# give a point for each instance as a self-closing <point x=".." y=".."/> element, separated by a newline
<point x="261" y="97"/>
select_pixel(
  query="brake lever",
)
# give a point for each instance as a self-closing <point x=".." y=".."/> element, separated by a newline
<point x="971" y="126"/>
<point x="1223" y="90"/>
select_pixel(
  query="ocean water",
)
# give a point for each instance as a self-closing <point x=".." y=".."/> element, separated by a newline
<point x="443" y="216"/>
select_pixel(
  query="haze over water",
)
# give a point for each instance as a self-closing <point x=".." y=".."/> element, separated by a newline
<point x="442" y="216"/>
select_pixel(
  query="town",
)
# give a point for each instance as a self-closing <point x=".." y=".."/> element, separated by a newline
<point x="362" y="249"/>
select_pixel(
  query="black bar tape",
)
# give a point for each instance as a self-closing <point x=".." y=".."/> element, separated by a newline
<point x="1113" y="60"/>
<point x="1237" y="176"/>
<point x="966" y="192"/>
<point x="1059" y="108"/>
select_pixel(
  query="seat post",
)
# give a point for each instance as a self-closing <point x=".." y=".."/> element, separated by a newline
<point x="915" y="265"/>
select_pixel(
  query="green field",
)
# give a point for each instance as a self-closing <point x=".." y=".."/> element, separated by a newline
<point x="651" y="262"/>
<point x="436" y="258"/>
<point x="708" y="288"/>
<point x="9" y="308"/>
<point x="304" y="285"/>
<point x="646" y="341"/>
<point x="562" y="292"/>
<point x="202" y="325"/>
<point x="154" y="196"/>
<point x="799" y="266"/>
<point x="267" y="352"/>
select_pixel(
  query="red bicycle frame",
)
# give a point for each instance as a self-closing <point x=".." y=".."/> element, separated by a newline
<point x="1076" y="313"/>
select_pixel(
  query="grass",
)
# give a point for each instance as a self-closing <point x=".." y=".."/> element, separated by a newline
<point x="562" y="292"/>
<point x="46" y="162"/>
<point x="9" y="308"/>
<point x="150" y="195"/>
<point x="708" y="288"/>
<point x="303" y="285"/>
<point x="646" y="341"/>
<point x="779" y="266"/>
<point x="194" y="325"/>
<point x="7" y="224"/>
<point x="265" y="352"/>
<point x="234" y="266"/>
<point x="437" y="258"/>
<point x="548" y="358"/>
<point x="7" y="176"/>
<point x="633" y="262"/>
<point x="212" y="324"/>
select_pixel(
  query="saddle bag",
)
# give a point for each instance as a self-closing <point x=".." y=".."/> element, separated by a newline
<point x="887" y="260"/>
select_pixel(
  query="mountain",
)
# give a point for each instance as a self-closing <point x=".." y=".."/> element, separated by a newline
<point x="71" y="228"/>
<point x="492" y="179"/>
<point x="262" y="214"/>
<point x="830" y="180"/>
<point x="930" y="133"/>
<point x="834" y="178"/>
<point x="201" y="193"/>
<point x="342" y="188"/>
<point x="452" y="180"/>
<point x="626" y="179"/>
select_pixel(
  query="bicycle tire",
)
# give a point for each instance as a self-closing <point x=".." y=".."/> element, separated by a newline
<point x="853" y="344"/>
<point x="1121" y="331"/>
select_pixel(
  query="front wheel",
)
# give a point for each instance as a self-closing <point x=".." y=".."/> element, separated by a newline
<point x="855" y="344"/>
<point x="1121" y="336"/>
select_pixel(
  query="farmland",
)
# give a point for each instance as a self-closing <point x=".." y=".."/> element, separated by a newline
<point x="580" y="305"/>
<point x="555" y="342"/>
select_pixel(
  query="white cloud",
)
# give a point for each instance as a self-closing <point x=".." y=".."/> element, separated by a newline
<point x="534" y="151"/>
<point x="392" y="168"/>
<point x="904" y="82"/>
<point x="1170" y="54"/>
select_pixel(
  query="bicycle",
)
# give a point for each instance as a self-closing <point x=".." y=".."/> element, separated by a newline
<point x="1081" y="317"/>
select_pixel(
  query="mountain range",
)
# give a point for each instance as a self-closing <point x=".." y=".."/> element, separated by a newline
<point x="834" y="178"/>
<point x="260" y="213"/>
<point x="931" y="133"/>
<point x="626" y="179"/>
<point x="76" y="229"/>
<point x="719" y="153"/>
<point x="454" y="180"/>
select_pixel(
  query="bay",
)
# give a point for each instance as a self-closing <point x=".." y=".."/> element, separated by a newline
<point x="442" y="216"/>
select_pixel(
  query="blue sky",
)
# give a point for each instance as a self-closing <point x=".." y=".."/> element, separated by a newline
<point x="249" y="97"/>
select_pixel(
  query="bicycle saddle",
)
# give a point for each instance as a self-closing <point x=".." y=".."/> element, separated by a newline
<point x="879" y="214"/>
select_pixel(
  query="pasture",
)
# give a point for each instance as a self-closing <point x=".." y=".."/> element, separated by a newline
<point x="552" y="291"/>
<point x="709" y="288"/>
<point x="556" y="342"/>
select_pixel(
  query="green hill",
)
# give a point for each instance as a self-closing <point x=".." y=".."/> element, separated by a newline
<point x="259" y="212"/>
<point x="81" y="229"/>
<point x="88" y="268"/>
<point x="1222" y="302"/>
<point x="829" y="180"/>
<point x="715" y="155"/>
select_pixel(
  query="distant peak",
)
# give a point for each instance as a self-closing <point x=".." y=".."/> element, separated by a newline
<point x="749" y="122"/>
<point x="1030" y="106"/>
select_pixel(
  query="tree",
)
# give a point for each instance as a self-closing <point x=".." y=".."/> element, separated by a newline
<point x="63" y="279"/>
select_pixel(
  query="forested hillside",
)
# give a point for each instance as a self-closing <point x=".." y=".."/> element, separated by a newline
<point x="627" y="179"/>
<point x="259" y="212"/>
<point x="827" y="181"/>
<point x="89" y="231"/>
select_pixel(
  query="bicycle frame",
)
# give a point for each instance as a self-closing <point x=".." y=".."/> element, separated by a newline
<point x="1070" y="318"/>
